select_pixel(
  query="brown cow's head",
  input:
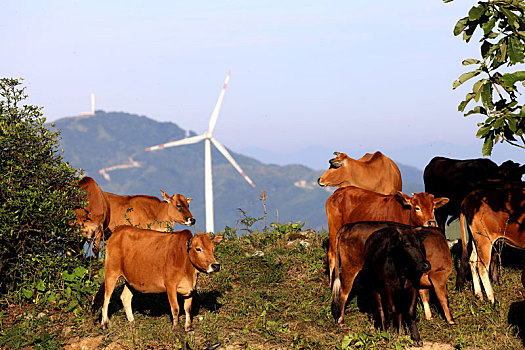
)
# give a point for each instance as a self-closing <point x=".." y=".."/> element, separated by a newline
<point x="179" y="210"/>
<point x="200" y="250"/>
<point x="336" y="174"/>
<point x="422" y="207"/>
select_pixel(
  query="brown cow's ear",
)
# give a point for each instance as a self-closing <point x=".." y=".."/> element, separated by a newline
<point x="189" y="200"/>
<point x="165" y="196"/>
<point x="336" y="153"/>
<point x="405" y="199"/>
<point x="439" y="202"/>
<point x="217" y="239"/>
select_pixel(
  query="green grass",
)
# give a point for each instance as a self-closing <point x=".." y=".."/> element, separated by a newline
<point x="272" y="293"/>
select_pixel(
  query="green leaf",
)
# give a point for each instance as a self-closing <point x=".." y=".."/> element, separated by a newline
<point x="476" y="110"/>
<point x="464" y="77"/>
<point x="40" y="286"/>
<point x="486" y="94"/>
<point x="470" y="61"/>
<point x="515" y="50"/>
<point x="484" y="130"/>
<point x="476" y="12"/>
<point x="513" y="124"/>
<point x="460" y="26"/>
<point x="522" y="111"/>
<point x="511" y="17"/>
<point x="511" y="78"/>
<point x="463" y="104"/>
<point x="487" y="26"/>
<point x="27" y="293"/>
<point x="487" y="146"/>
<point x="476" y="89"/>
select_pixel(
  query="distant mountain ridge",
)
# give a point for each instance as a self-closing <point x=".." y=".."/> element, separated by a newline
<point x="111" y="138"/>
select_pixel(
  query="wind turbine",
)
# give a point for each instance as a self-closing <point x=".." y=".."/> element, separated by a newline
<point x="207" y="136"/>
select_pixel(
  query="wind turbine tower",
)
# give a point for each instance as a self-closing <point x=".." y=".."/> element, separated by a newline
<point x="207" y="136"/>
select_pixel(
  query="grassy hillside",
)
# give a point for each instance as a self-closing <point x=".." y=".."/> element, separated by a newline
<point x="271" y="293"/>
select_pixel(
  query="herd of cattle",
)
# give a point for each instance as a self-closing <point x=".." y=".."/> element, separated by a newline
<point x="397" y="241"/>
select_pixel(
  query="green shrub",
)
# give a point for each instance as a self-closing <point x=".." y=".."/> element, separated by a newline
<point x="38" y="192"/>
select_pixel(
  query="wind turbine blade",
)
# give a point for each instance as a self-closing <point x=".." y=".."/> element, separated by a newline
<point x="186" y="141"/>
<point x="228" y="156"/>
<point x="215" y="114"/>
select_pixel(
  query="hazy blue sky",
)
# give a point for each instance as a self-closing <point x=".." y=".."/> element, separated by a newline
<point x="342" y="74"/>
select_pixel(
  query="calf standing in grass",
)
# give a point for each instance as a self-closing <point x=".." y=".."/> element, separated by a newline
<point x="393" y="266"/>
<point x="156" y="262"/>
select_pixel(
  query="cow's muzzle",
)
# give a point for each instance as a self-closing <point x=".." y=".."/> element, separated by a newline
<point x="214" y="268"/>
<point x="431" y="223"/>
<point x="320" y="183"/>
<point x="424" y="266"/>
<point x="190" y="222"/>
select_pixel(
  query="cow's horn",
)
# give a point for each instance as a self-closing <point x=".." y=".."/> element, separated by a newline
<point x="337" y="153"/>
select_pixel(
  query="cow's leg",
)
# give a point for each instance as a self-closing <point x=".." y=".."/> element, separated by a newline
<point x="347" y="281"/>
<point x="473" y="262"/>
<point x="425" y="298"/>
<point x="109" y="281"/>
<point x="96" y="241"/>
<point x="174" y="304"/>
<point x="439" y="281"/>
<point x="483" y="270"/>
<point x="414" y="332"/>
<point x="392" y="312"/>
<point x="126" y="297"/>
<point x="187" y="310"/>
<point x="380" y="310"/>
<point x="334" y="223"/>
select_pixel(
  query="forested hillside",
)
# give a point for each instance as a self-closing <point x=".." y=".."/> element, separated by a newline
<point x="95" y="142"/>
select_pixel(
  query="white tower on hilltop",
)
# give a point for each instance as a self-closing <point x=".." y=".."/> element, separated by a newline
<point x="92" y="112"/>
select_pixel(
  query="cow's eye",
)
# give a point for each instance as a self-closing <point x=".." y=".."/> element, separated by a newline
<point x="198" y="249"/>
<point x="418" y="208"/>
<point x="179" y="207"/>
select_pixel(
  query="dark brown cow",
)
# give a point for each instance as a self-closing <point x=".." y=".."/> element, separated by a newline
<point x="156" y="262"/>
<point x="350" y="245"/>
<point x="150" y="212"/>
<point x="394" y="263"/>
<point x="490" y="215"/>
<point x="94" y="218"/>
<point x="455" y="178"/>
<point x="352" y="204"/>
<point x="375" y="172"/>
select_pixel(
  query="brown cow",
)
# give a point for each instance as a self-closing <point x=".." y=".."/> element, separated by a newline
<point x="156" y="262"/>
<point x="94" y="218"/>
<point x="149" y="212"/>
<point x="491" y="215"/>
<point x="350" y="245"/>
<point x="375" y="172"/>
<point x="352" y="204"/>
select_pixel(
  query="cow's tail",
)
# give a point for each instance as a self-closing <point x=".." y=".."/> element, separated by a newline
<point x="463" y="263"/>
<point x="336" y="286"/>
<point x="98" y="300"/>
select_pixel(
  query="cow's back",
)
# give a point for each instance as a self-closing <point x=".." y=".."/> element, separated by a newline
<point x="147" y="257"/>
<point x="454" y="179"/>
<point x="132" y="210"/>
<point x="376" y="172"/>
<point x="352" y="204"/>
<point x="390" y="180"/>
